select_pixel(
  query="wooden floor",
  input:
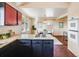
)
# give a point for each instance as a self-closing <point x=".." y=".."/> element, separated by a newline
<point x="61" y="50"/>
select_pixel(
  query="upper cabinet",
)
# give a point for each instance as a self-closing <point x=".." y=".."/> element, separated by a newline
<point x="19" y="17"/>
<point x="9" y="16"/>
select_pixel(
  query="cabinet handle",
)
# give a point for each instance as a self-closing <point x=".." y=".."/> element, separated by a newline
<point x="47" y="43"/>
<point x="24" y="42"/>
<point x="36" y="42"/>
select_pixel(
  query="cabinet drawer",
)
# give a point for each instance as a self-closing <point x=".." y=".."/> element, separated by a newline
<point x="47" y="41"/>
<point x="48" y="44"/>
<point x="25" y="42"/>
<point x="37" y="42"/>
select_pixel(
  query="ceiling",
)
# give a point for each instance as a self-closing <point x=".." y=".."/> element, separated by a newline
<point x="45" y="12"/>
<point x="43" y="9"/>
<point x="42" y="4"/>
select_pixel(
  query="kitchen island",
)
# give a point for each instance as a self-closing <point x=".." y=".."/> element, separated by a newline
<point x="38" y="47"/>
<point x="23" y="46"/>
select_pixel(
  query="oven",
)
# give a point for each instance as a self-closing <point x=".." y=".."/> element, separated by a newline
<point x="73" y="24"/>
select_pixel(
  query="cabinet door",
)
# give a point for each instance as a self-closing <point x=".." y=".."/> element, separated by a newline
<point x="19" y="18"/>
<point x="37" y="48"/>
<point x="24" y="48"/>
<point x="48" y="48"/>
<point x="8" y="50"/>
<point x="10" y="15"/>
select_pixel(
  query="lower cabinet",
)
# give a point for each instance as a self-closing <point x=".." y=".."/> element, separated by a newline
<point x="37" y="48"/>
<point x="47" y="48"/>
<point x="28" y="48"/>
<point x="42" y="48"/>
<point x="8" y="51"/>
<point x="24" y="48"/>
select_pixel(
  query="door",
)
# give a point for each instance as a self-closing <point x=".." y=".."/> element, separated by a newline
<point x="37" y="48"/>
<point x="48" y="48"/>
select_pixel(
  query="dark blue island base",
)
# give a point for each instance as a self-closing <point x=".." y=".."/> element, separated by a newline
<point x="28" y="48"/>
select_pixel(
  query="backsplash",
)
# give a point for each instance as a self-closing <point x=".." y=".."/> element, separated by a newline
<point x="5" y="29"/>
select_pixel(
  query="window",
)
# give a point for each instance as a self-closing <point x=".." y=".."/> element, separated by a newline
<point x="61" y="24"/>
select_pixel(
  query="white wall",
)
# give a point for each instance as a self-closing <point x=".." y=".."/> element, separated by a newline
<point x="1" y="15"/>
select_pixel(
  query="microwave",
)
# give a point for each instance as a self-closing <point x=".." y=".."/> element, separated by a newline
<point x="74" y="36"/>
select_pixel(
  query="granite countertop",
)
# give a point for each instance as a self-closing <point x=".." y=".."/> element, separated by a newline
<point x="4" y="42"/>
<point x="30" y="36"/>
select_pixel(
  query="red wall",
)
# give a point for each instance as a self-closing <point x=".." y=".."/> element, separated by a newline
<point x="10" y="15"/>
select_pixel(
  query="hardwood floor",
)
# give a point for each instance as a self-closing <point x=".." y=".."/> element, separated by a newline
<point x="62" y="39"/>
<point x="61" y="50"/>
